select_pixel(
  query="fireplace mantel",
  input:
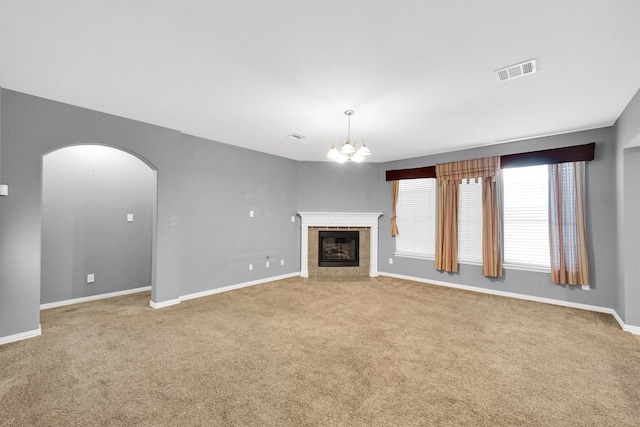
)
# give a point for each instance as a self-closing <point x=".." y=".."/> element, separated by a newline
<point x="339" y="219"/>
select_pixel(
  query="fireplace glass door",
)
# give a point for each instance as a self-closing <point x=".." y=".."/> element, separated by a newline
<point x="338" y="249"/>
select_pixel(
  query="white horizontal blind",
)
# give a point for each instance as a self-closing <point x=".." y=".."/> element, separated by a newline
<point x="470" y="222"/>
<point x="416" y="217"/>
<point x="526" y="217"/>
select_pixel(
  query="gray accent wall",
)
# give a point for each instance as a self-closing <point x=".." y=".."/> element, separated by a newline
<point x="627" y="134"/>
<point x="33" y="127"/>
<point x="87" y="193"/>
<point x="601" y="226"/>
<point x="201" y="191"/>
<point x="222" y="184"/>
<point x="338" y="187"/>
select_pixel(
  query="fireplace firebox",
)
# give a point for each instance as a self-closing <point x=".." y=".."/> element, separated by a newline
<point x="338" y="249"/>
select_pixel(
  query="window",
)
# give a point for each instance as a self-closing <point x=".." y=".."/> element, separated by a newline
<point x="470" y="222"/>
<point x="416" y="218"/>
<point x="525" y="217"/>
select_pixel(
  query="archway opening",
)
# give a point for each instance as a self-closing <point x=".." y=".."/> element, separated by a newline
<point x="98" y="224"/>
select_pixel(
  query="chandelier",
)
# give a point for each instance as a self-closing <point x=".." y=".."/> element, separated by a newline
<point x="355" y="152"/>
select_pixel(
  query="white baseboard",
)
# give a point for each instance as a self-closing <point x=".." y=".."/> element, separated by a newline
<point x="628" y="328"/>
<point x="21" y="336"/>
<point x="238" y="286"/>
<point x="596" y="308"/>
<point x="633" y="329"/>
<point x="195" y="295"/>
<point x="163" y="304"/>
<point x="94" y="297"/>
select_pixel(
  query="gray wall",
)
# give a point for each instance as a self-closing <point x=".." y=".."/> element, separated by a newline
<point x="203" y="192"/>
<point x="338" y="187"/>
<point x="87" y="192"/>
<point x="222" y="184"/>
<point x="33" y="127"/>
<point x="601" y="226"/>
<point x="627" y="135"/>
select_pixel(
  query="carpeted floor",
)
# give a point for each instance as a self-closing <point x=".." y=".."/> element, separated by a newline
<point x="381" y="352"/>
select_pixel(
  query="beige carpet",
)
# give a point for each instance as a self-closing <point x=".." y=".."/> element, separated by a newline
<point x="381" y="352"/>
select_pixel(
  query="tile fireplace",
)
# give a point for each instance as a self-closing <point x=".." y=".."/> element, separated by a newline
<point x="363" y="225"/>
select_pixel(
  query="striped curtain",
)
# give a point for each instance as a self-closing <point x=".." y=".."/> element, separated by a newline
<point x="447" y="240"/>
<point x="491" y="228"/>
<point x="449" y="176"/>
<point x="395" y="189"/>
<point x="567" y="224"/>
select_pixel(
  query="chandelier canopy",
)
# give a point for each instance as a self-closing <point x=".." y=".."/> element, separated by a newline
<point x="355" y="152"/>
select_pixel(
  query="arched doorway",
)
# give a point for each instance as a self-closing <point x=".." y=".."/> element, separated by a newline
<point x="98" y="223"/>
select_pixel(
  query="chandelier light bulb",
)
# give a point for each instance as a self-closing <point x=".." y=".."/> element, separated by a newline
<point x="333" y="153"/>
<point x="342" y="158"/>
<point x="363" y="151"/>
<point x="347" y="148"/>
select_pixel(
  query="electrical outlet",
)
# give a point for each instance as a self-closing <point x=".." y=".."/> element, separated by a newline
<point x="281" y="262"/>
<point x="267" y="264"/>
<point x="390" y="260"/>
<point x="250" y="267"/>
<point x="129" y="217"/>
<point x="91" y="278"/>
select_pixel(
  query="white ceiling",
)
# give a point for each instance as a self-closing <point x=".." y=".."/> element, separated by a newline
<point x="418" y="73"/>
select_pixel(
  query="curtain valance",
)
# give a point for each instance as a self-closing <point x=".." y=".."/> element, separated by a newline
<point x="486" y="167"/>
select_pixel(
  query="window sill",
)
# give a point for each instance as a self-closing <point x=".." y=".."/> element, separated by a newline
<point x="477" y="263"/>
<point x="527" y="268"/>
<point x="414" y="256"/>
<point x="531" y="268"/>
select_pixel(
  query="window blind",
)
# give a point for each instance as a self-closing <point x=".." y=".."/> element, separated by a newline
<point x="416" y="218"/>
<point x="526" y="217"/>
<point x="470" y="222"/>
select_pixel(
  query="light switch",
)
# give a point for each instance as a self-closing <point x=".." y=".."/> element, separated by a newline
<point x="91" y="278"/>
<point x="251" y="213"/>
<point x="4" y="190"/>
<point x="293" y="218"/>
<point x="129" y="217"/>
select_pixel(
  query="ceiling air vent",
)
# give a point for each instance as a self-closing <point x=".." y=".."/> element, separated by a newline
<point x="296" y="136"/>
<point x="518" y="70"/>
